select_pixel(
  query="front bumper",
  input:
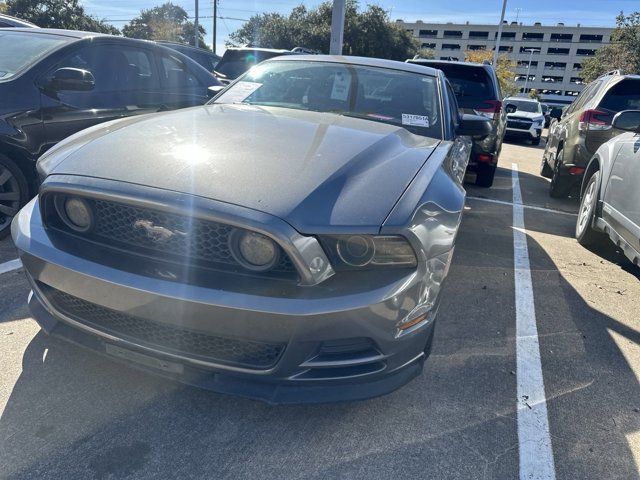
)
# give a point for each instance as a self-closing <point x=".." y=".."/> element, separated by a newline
<point x="330" y="344"/>
<point x="530" y="133"/>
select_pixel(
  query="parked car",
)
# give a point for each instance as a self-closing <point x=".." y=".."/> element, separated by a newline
<point x="478" y="92"/>
<point x="583" y="127"/>
<point x="287" y="241"/>
<point x="54" y="83"/>
<point x="205" y="58"/>
<point x="610" y="192"/>
<point x="7" y="21"/>
<point x="236" y="61"/>
<point x="525" y="119"/>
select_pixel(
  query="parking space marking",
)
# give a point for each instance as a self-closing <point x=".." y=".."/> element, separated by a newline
<point x="534" y="440"/>
<point x="531" y="207"/>
<point x="10" y="266"/>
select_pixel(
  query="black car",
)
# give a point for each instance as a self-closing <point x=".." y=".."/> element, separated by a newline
<point x="207" y="59"/>
<point x="477" y="90"/>
<point x="54" y="83"/>
<point x="236" y="61"/>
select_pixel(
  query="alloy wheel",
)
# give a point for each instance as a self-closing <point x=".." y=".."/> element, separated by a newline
<point x="9" y="196"/>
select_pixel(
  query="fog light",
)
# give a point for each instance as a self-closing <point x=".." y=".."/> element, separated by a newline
<point x="254" y="251"/>
<point x="77" y="214"/>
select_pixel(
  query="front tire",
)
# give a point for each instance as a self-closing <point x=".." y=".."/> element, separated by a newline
<point x="545" y="169"/>
<point x="560" y="186"/>
<point x="14" y="192"/>
<point x="585" y="233"/>
<point x="536" y="141"/>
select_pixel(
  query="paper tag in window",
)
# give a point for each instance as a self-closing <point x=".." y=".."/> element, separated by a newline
<point x="415" y="120"/>
<point x="341" y="85"/>
<point x="239" y="92"/>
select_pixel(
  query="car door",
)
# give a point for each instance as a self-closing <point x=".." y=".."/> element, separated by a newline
<point x="126" y="84"/>
<point x="182" y="86"/>
<point x="622" y="194"/>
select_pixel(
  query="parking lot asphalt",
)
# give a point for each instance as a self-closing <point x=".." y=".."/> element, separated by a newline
<point x="68" y="413"/>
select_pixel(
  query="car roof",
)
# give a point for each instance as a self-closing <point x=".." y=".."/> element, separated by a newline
<point x="450" y="62"/>
<point x="522" y="99"/>
<point x="259" y="49"/>
<point x="18" y="22"/>
<point x="81" y="35"/>
<point x="364" y="61"/>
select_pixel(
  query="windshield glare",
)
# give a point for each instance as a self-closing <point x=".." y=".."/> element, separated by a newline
<point x="531" y="107"/>
<point x="378" y="94"/>
<point x="19" y="50"/>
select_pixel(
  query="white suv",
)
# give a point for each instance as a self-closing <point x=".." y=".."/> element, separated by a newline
<point x="525" y="118"/>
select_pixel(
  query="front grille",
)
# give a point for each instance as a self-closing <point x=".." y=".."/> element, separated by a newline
<point x="523" y="125"/>
<point x="164" y="337"/>
<point x="192" y="240"/>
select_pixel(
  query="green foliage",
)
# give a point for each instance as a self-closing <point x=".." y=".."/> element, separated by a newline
<point x="3" y="8"/>
<point x="368" y="33"/>
<point x="426" y="53"/>
<point x="67" y="14"/>
<point x="165" y="22"/>
<point x="534" y="94"/>
<point x="622" y="53"/>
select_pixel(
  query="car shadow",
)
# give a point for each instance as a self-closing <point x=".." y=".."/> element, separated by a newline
<point x="73" y="414"/>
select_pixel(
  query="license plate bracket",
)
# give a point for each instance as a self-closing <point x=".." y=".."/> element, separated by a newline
<point x="142" y="359"/>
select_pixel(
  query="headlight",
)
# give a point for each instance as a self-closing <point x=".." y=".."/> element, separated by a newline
<point x="75" y="212"/>
<point x="369" y="251"/>
<point x="253" y="250"/>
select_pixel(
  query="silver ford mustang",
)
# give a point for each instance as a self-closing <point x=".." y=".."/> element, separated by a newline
<point x="287" y="241"/>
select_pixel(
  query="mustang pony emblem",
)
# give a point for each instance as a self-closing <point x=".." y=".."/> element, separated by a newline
<point x="156" y="233"/>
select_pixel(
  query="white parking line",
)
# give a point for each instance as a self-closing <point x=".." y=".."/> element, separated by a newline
<point x="531" y="207"/>
<point x="10" y="266"/>
<point x="536" y="453"/>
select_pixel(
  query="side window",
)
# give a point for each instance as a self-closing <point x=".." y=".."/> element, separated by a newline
<point x="453" y="104"/>
<point x="586" y="95"/>
<point x="115" y="68"/>
<point x="175" y="73"/>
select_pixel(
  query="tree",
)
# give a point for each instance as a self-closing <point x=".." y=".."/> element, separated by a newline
<point x="165" y="22"/>
<point x="66" y="14"/>
<point x="534" y="94"/>
<point x="368" y="33"/>
<point x="623" y="53"/>
<point x="505" y="69"/>
<point x="426" y="53"/>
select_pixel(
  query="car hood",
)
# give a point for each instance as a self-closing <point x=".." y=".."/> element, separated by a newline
<point x="317" y="171"/>
<point x="529" y="115"/>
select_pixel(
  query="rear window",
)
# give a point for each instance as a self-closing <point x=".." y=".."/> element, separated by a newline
<point x="235" y="62"/>
<point x="472" y="85"/>
<point x="623" y="96"/>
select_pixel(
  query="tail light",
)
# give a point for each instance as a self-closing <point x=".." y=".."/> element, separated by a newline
<point x="485" y="158"/>
<point x="490" y="109"/>
<point x="595" y="120"/>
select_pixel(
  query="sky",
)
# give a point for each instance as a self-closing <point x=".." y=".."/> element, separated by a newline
<point x="233" y="13"/>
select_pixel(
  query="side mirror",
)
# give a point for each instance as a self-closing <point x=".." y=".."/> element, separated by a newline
<point x="510" y="108"/>
<point x="214" y="90"/>
<point x="556" y="113"/>
<point x="74" y="79"/>
<point x="474" y="126"/>
<point x="627" y="120"/>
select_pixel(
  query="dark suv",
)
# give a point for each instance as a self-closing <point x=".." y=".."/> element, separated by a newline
<point x="54" y="83"/>
<point x="583" y="127"/>
<point x="478" y="92"/>
<point x="236" y="61"/>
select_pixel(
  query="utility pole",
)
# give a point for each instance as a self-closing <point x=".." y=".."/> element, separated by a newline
<point x="197" y="33"/>
<point x="526" y="80"/>
<point x="337" y="27"/>
<point x="496" y="52"/>
<point x="215" y="15"/>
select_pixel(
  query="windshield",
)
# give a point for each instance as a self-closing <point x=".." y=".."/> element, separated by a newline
<point x="235" y="62"/>
<point x="18" y="50"/>
<point x="524" y="106"/>
<point x="378" y="94"/>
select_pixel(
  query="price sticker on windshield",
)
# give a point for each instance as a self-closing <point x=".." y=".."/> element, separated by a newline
<point x="415" y="120"/>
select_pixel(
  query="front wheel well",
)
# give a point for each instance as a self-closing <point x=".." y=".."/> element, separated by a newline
<point x="594" y="166"/>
